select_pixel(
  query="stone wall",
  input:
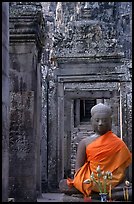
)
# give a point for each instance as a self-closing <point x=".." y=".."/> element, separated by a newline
<point x="5" y="100"/>
<point x="26" y="42"/>
<point x="124" y="27"/>
<point x="124" y="33"/>
<point x="86" y="44"/>
<point x="84" y="38"/>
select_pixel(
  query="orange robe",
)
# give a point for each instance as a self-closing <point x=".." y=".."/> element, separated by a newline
<point x="111" y="154"/>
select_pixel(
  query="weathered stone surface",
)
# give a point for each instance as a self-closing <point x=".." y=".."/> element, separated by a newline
<point x="26" y="42"/>
<point x="5" y="100"/>
<point x="88" y="34"/>
<point x="22" y="146"/>
<point x="86" y="51"/>
<point x="23" y="65"/>
<point x="124" y="27"/>
<point x="27" y="24"/>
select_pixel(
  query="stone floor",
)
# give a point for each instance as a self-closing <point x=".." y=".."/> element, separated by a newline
<point x="61" y="197"/>
<point x="51" y="197"/>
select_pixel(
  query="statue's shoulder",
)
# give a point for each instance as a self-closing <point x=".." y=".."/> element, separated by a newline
<point x="89" y="139"/>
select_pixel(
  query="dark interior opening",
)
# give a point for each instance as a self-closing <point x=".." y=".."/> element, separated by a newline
<point x="85" y="109"/>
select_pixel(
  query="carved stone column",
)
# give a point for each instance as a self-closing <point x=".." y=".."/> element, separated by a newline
<point x="26" y="42"/>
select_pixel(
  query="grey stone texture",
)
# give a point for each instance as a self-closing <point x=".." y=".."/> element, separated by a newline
<point x="60" y="53"/>
<point x="124" y="27"/>
<point x="26" y="42"/>
<point x="89" y="57"/>
<point x="5" y="100"/>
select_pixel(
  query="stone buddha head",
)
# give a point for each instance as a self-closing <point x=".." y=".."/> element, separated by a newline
<point x="101" y="118"/>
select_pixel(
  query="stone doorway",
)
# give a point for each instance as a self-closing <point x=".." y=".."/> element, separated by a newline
<point x="74" y="126"/>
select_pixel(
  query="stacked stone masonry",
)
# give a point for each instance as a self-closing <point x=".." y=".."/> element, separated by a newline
<point x="61" y="55"/>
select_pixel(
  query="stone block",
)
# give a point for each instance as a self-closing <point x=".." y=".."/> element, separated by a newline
<point x="22" y="193"/>
<point x="22" y="146"/>
<point x="28" y="182"/>
<point x="5" y="132"/>
<point x="24" y="167"/>
<point x="5" y="89"/>
<point x="22" y="57"/>
<point x="5" y="61"/>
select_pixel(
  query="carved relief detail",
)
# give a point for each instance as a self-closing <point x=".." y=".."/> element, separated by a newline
<point x="88" y="34"/>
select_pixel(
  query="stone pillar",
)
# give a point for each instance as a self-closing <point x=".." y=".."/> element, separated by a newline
<point x="26" y="42"/>
<point x="5" y="100"/>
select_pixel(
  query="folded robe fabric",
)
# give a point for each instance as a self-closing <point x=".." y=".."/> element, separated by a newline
<point x="111" y="154"/>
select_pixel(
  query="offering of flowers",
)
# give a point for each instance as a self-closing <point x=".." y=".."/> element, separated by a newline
<point x="101" y="181"/>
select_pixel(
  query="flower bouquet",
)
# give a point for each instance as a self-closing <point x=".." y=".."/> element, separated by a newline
<point x="101" y="183"/>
